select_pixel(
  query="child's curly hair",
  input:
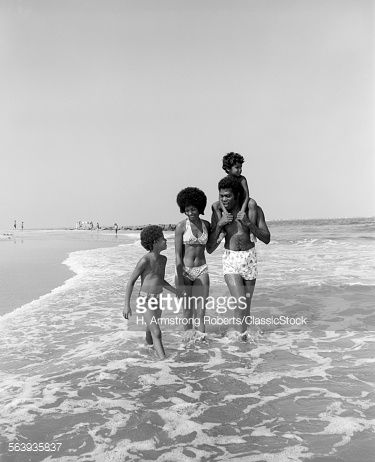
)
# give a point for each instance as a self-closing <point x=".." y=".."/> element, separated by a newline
<point x="192" y="196"/>
<point x="230" y="159"/>
<point x="149" y="235"/>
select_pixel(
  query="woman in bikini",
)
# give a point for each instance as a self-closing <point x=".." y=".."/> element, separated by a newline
<point x="191" y="236"/>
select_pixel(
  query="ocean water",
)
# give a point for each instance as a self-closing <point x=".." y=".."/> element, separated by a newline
<point x="76" y="374"/>
<point x="31" y="261"/>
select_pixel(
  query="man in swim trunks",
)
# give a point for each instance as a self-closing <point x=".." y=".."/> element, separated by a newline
<point x="239" y="258"/>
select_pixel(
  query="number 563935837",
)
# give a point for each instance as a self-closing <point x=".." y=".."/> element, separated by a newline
<point x="34" y="447"/>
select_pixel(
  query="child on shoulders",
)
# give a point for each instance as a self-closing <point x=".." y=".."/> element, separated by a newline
<point x="232" y="164"/>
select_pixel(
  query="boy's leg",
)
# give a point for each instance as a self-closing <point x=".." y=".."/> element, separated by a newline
<point x="149" y="340"/>
<point x="152" y="320"/>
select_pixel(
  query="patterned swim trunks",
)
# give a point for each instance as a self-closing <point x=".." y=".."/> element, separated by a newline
<point x="242" y="262"/>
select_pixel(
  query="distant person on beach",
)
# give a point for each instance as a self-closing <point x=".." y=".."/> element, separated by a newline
<point x="116" y="228"/>
<point x="239" y="259"/>
<point x="151" y="268"/>
<point x="232" y="165"/>
<point x="97" y="226"/>
<point x="191" y="236"/>
<point x="15" y="224"/>
<point x="22" y="226"/>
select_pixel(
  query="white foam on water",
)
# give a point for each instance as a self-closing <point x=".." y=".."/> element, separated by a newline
<point x="344" y="426"/>
<point x="178" y="418"/>
<point x="164" y="376"/>
<point x="317" y="262"/>
<point x="262" y="431"/>
<point x="70" y="353"/>
<point x="290" y="454"/>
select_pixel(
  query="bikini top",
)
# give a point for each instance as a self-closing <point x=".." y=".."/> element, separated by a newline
<point x="190" y="239"/>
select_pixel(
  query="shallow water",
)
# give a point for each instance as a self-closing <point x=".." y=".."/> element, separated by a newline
<point x="74" y="372"/>
<point x="31" y="262"/>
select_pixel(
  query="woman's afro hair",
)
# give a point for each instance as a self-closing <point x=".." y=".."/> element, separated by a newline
<point x="192" y="196"/>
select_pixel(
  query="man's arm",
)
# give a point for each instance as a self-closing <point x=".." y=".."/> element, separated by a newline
<point x="260" y="230"/>
<point x="256" y="223"/>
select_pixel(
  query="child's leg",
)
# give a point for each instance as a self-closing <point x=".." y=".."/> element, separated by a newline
<point x="216" y="213"/>
<point x="152" y="317"/>
<point x="149" y="340"/>
<point x="252" y="211"/>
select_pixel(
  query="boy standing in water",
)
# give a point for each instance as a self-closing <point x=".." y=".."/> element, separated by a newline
<point x="151" y="268"/>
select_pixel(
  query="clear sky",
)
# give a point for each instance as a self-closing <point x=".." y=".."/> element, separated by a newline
<point x="109" y="108"/>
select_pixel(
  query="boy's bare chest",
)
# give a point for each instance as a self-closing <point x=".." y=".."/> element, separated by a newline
<point x="157" y="266"/>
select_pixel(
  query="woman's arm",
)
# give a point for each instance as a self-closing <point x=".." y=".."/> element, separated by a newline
<point x="179" y="252"/>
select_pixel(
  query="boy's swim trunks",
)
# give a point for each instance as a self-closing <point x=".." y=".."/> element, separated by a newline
<point x="149" y="295"/>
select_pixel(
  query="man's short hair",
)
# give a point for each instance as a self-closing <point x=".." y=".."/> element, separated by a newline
<point x="149" y="235"/>
<point x="231" y="159"/>
<point x="233" y="183"/>
<point x="192" y="196"/>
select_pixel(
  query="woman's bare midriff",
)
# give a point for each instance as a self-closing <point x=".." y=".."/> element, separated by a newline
<point x="194" y="255"/>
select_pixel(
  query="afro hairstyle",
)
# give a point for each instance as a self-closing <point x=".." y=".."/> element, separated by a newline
<point x="192" y="196"/>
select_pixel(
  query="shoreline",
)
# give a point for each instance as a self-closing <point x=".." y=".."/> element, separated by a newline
<point x="10" y="233"/>
<point x="32" y="263"/>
